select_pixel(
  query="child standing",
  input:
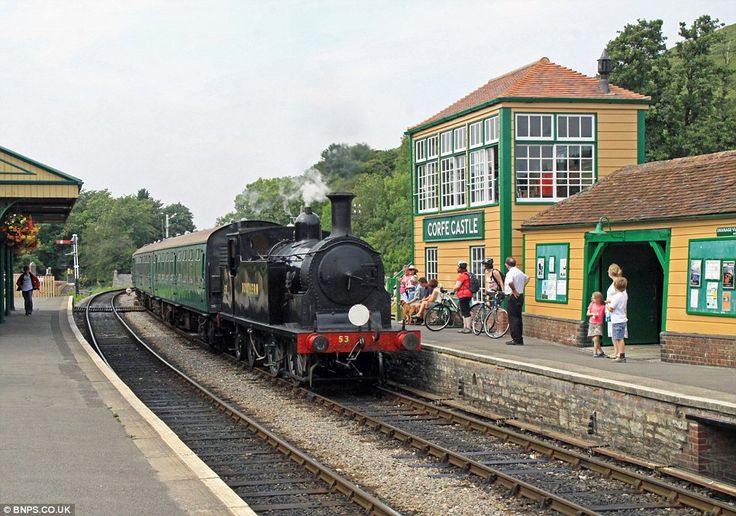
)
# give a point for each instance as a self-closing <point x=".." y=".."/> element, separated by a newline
<point x="617" y="307"/>
<point x="596" y="312"/>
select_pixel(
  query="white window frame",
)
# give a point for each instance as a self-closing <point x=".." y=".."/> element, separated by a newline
<point x="573" y="179"/>
<point x="452" y="180"/>
<point x="476" y="134"/>
<point x="577" y="120"/>
<point x="430" y="263"/>
<point x="432" y="147"/>
<point x="561" y="177"/>
<point x="427" y="200"/>
<point x="460" y="137"/>
<point x="420" y="151"/>
<point x="446" y="143"/>
<point x="490" y="128"/>
<point x="529" y="117"/>
<point x="477" y="257"/>
<point x="482" y="177"/>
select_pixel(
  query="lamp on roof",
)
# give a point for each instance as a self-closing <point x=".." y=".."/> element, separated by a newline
<point x="604" y="68"/>
<point x="599" y="226"/>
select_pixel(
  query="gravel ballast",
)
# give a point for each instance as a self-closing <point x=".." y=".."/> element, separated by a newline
<point x="405" y="479"/>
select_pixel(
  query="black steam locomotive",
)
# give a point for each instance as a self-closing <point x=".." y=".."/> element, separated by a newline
<point x="289" y="298"/>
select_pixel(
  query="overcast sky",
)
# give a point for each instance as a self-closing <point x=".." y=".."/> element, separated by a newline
<point x="194" y="100"/>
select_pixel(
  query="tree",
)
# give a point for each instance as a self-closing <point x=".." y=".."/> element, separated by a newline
<point x="693" y="108"/>
<point x="180" y="219"/>
<point x="701" y="109"/>
<point x="639" y="63"/>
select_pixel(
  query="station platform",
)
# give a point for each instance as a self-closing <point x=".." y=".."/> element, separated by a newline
<point x="72" y="433"/>
<point x="643" y="370"/>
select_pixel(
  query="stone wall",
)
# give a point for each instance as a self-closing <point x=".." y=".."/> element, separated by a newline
<point x="628" y="419"/>
<point x="564" y="331"/>
<point x="698" y="349"/>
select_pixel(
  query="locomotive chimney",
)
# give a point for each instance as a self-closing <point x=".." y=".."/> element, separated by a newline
<point x="307" y="226"/>
<point x="341" y="213"/>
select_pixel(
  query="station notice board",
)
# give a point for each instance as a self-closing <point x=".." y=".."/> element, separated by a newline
<point x="711" y="263"/>
<point x="551" y="272"/>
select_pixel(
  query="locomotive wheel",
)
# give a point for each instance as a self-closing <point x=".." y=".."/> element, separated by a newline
<point x="275" y="359"/>
<point x="298" y="365"/>
<point x="212" y="342"/>
<point x="240" y="345"/>
<point x="250" y="354"/>
<point x="381" y="370"/>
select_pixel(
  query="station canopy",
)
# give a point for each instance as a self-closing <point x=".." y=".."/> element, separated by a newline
<point x="35" y="189"/>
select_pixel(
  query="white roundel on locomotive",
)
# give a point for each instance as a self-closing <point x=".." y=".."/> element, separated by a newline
<point x="348" y="274"/>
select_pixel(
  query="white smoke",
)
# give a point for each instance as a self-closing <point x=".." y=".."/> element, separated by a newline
<point x="312" y="187"/>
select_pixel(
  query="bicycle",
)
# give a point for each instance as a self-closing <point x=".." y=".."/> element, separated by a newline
<point x="491" y="317"/>
<point x="444" y="311"/>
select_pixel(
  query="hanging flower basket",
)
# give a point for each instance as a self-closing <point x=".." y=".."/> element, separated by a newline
<point x="19" y="232"/>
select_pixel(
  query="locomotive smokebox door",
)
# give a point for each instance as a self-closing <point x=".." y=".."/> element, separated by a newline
<point x="347" y="275"/>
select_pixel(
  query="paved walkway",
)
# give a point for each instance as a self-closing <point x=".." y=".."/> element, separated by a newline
<point x="643" y="367"/>
<point x="67" y="436"/>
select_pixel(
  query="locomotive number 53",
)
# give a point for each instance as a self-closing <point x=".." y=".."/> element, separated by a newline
<point x="343" y="339"/>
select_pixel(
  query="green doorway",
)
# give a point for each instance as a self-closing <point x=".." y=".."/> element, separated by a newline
<point x="645" y="278"/>
<point x="643" y="256"/>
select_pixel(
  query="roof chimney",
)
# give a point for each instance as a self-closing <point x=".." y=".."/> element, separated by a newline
<point x="604" y="68"/>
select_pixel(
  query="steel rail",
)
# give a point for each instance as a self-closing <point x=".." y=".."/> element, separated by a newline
<point x="515" y="486"/>
<point x="335" y="482"/>
<point x="87" y="310"/>
<point x="611" y="471"/>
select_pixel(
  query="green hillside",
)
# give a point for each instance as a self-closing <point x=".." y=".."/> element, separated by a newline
<point x="726" y="52"/>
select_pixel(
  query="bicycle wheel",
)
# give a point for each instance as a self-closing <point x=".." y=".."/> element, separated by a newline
<point x="478" y="314"/>
<point x="437" y="317"/>
<point x="497" y="323"/>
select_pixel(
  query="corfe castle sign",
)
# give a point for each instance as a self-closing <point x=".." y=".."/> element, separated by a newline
<point x="466" y="226"/>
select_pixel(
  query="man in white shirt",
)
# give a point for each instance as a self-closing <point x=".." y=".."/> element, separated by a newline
<point x="514" y="289"/>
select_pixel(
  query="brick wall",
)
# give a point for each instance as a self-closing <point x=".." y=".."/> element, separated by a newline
<point x="710" y="450"/>
<point x="564" y="331"/>
<point x="698" y="349"/>
<point x="655" y="429"/>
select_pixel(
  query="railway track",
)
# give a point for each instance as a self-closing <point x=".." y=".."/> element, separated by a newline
<point x="556" y="477"/>
<point x="267" y="472"/>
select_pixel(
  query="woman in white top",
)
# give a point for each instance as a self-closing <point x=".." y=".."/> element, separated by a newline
<point x="614" y="272"/>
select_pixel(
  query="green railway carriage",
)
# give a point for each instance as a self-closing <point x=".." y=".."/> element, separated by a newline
<point x="179" y="277"/>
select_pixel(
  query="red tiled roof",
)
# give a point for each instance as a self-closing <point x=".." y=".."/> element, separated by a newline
<point x="540" y="79"/>
<point x="698" y="185"/>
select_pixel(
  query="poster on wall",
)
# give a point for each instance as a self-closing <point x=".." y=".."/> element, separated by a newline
<point x="695" y="272"/>
<point x="540" y="268"/>
<point x="694" y="298"/>
<point x="551" y="264"/>
<point x="545" y="287"/>
<point x="561" y="285"/>
<point x="728" y="270"/>
<point x="563" y="268"/>
<point x="711" y="295"/>
<point x="713" y="269"/>
<point x="726" y="302"/>
<point x="552" y="288"/>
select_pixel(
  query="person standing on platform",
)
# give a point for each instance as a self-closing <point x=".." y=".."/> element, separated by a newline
<point x="614" y="271"/>
<point x="617" y="307"/>
<point x="515" y="283"/>
<point x="27" y="283"/>
<point x="596" y="313"/>
<point x="405" y="282"/>
<point x="463" y="293"/>
<point x="494" y="278"/>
